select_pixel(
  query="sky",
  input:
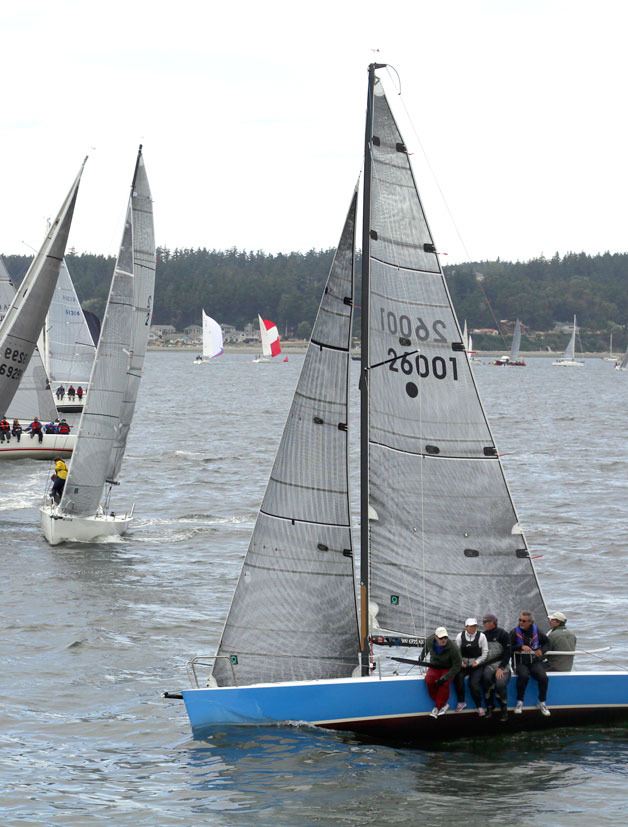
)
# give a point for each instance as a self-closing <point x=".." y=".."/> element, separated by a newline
<point x="251" y="115"/>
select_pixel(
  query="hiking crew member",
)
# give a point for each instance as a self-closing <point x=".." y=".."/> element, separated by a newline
<point x="560" y="639"/>
<point x="5" y="430"/>
<point x="528" y="644"/>
<point x="445" y="662"/>
<point x="79" y="392"/>
<point x="473" y="651"/>
<point x="16" y="429"/>
<point x="60" y="392"/>
<point x="71" y="393"/>
<point x="58" y="479"/>
<point x="64" y="428"/>
<point x="35" y="429"/>
<point x="496" y="671"/>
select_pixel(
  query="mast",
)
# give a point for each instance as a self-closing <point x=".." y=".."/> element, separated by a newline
<point x="364" y="367"/>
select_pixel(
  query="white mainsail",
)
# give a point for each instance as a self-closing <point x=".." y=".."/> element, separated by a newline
<point x="443" y="530"/>
<point x="212" y="337"/>
<point x="24" y="319"/>
<point x="516" y="342"/>
<point x="68" y="347"/>
<point x="33" y="396"/>
<point x="119" y="359"/>
<point x="570" y="350"/>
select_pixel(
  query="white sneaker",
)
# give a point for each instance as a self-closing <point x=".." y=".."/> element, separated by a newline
<point x="434" y="712"/>
<point x="443" y="709"/>
<point x="481" y="711"/>
<point x="460" y="706"/>
<point x="518" y="707"/>
<point x="544" y="710"/>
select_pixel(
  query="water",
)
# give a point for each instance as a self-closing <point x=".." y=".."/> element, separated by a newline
<point x="94" y="635"/>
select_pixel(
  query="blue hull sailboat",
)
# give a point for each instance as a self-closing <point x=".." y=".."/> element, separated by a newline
<point x="439" y="535"/>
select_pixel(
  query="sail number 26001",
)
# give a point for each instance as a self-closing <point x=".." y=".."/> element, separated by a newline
<point x="437" y="366"/>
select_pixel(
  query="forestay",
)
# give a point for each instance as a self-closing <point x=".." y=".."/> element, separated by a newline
<point x="68" y="344"/>
<point x="24" y="319"/>
<point x="293" y="615"/>
<point x="33" y="396"/>
<point x="443" y="541"/>
<point x="143" y="268"/>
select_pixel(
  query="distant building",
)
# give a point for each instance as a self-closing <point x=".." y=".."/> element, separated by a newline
<point x="161" y="330"/>
<point x="485" y="331"/>
<point x="193" y="331"/>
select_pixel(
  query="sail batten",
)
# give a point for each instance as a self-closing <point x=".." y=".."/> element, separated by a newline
<point x="297" y="580"/>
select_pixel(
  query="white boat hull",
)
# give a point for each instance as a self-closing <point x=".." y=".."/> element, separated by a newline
<point x="62" y="528"/>
<point x="52" y="445"/>
<point x="567" y="363"/>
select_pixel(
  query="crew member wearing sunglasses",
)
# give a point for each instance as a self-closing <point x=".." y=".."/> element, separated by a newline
<point x="528" y="645"/>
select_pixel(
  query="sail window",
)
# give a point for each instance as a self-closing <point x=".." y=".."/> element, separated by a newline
<point x="471" y="552"/>
<point x="376" y="141"/>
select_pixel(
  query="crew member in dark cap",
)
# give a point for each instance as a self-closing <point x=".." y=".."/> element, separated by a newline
<point x="496" y="672"/>
<point x="560" y="639"/>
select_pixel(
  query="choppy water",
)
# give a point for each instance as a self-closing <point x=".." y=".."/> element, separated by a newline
<point x="93" y="635"/>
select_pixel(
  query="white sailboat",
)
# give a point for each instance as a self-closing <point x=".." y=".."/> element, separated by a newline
<point x="66" y="343"/>
<point x="212" y="341"/>
<point x="24" y="319"/>
<point x="514" y="360"/>
<point x="83" y="515"/>
<point x="611" y="356"/>
<point x="568" y="359"/>
<point x="292" y="648"/>
<point x="622" y="364"/>
<point x="271" y="346"/>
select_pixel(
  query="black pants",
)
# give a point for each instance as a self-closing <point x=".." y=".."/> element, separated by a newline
<point x="537" y="671"/>
<point x="57" y="489"/>
<point x="475" y="676"/>
<point x="38" y="434"/>
<point x="5" y="435"/>
<point x="17" y="434"/>
<point x="494" y="686"/>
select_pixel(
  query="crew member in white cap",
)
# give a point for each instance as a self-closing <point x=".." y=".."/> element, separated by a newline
<point x="445" y="663"/>
<point x="474" y="652"/>
<point x="560" y="639"/>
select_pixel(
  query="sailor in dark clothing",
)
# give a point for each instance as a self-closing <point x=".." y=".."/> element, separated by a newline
<point x="16" y="429"/>
<point x="5" y="430"/>
<point x="71" y="393"/>
<point x="528" y="645"/>
<point x="60" y="392"/>
<point x="496" y="671"/>
<point x="474" y="651"/>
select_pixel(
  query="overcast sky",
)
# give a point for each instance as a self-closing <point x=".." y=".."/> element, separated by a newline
<point x="251" y="115"/>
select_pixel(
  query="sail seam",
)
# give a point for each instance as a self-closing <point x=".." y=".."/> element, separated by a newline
<point x="302" y="520"/>
<point x="329" y="347"/>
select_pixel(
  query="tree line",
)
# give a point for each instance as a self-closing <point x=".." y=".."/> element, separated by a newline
<point x="235" y="285"/>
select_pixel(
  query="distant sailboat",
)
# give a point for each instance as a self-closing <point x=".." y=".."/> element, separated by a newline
<point x="611" y="356"/>
<point x="212" y="340"/>
<point x="82" y="515"/>
<point x="66" y="343"/>
<point x="24" y="318"/>
<point x="622" y="364"/>
<point x="568" y="359"/>
<point x="271" y="346"/>
<point x="468" y="343"/>
<point x="514" y="359"/>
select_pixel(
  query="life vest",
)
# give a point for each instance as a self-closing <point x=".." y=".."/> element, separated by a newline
<point x="64" y="428"/>
<point x="534" y="642"/>
<point x="4" y="425"/>
<point x="36" y="426"/>
<point x="470" y="649"/>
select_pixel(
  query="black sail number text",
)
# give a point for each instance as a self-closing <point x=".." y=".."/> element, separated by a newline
<point x="437" y="366"/>
<point x="406" y="327"/>
<point x="17" y="357"/>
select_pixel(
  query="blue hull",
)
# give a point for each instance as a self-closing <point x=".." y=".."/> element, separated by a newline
<point x="399" y="706"/>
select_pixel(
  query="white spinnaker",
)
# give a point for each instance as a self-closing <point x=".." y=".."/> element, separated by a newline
<point x="24" y="319"/>
<point x="212" y="337"/>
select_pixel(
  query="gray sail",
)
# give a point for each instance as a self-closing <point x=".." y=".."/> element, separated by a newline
<point x="444" y="536"/>
<point x="293" y="613"/>
<point x="141" y="206"/>
<point x="69" y="347"/>
<point x="516" y="342"/>
<point x="100" y="418"/>
<point x="24" y="319"/>
<point x="570" y="350"/>
<point x="33" y="396"/>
